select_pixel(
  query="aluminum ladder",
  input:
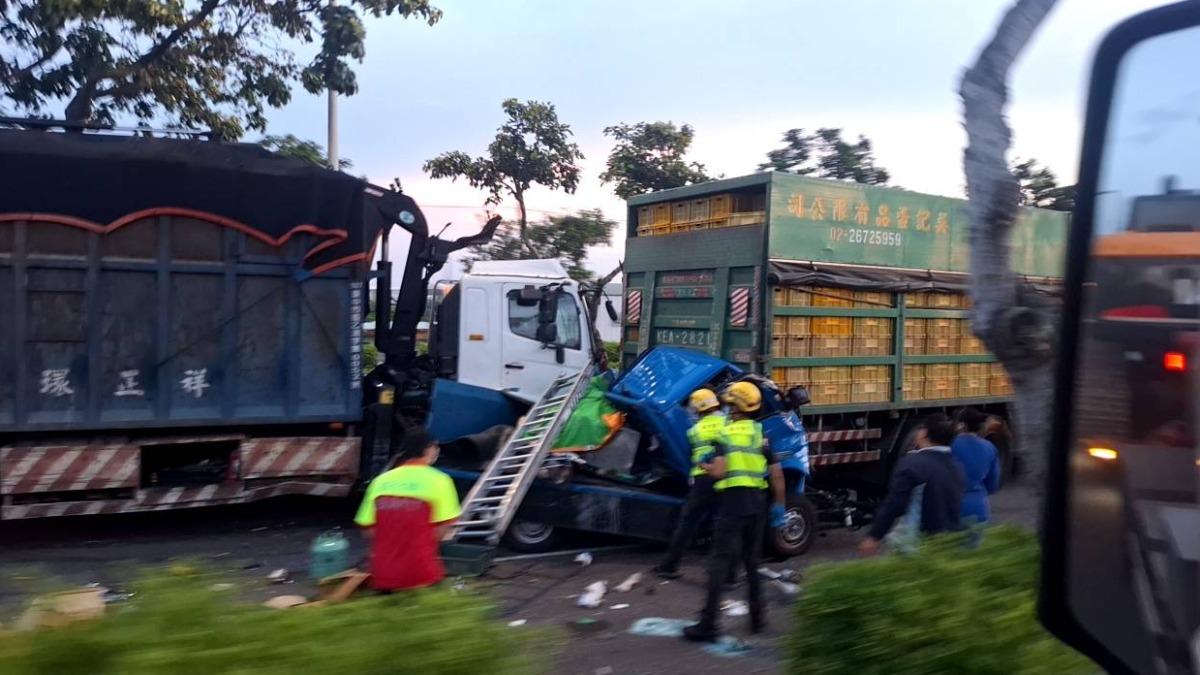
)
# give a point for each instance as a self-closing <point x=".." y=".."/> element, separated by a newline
<point x="497" y="494"/>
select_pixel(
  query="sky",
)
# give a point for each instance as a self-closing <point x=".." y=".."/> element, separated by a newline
<point x="741" y="73"/>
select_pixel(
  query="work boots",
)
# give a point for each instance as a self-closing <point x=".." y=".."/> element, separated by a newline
<point x="701" y="632"/>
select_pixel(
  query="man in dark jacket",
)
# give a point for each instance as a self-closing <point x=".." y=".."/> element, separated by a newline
<point x="927" y="487"/>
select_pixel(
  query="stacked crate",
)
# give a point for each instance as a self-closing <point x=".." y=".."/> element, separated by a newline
<point x="968" y="343"/>
<point x="998" y="382"/>
<point x="831" y="385"/>
<point x="831" y="336"/>
<point x="914" y="336"/>
<point x="871" y="384"/>
<point x="702" y="213"/>
<point x="914" y="383"/>
<point x="974" y="380"/>
<point x="941" y="381"/>
<point x="786" y="378"/>
<point x="942" y="336"/>
<point x="872" y="336"/>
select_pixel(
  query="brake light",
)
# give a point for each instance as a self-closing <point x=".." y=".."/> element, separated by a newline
<point x="1107" y="454"/>
<point x="1136" y="312"/>
<point x="1175" y="362"/>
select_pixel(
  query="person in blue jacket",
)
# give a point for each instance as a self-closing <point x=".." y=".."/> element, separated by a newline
<point x="981" y="465"/>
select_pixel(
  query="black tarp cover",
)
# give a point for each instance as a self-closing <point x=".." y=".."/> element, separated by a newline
<point x="884" y="279"/>
<point x="102" y="179"/>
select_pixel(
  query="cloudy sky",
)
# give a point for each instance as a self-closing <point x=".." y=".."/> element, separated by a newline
<point x="740" y="72"/>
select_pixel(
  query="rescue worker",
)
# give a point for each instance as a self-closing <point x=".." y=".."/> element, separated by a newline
<point x="744" y="468"/>
<point x="702" y="498"/>
<point x="404" y="515"/>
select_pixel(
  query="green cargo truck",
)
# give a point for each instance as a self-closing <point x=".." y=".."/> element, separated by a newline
<point x="856" y="292"/>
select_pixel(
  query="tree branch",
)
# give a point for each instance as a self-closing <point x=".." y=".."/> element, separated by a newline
<point x="157" y="51"/>
<point x="1016" y="333"/>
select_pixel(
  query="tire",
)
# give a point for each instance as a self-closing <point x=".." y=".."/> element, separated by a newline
<point x="796" y="537"/>
<point x="526" y="536"/>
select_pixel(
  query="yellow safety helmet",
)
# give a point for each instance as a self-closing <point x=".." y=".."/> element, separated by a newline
<point x="703" y="400"/>
<point x="744" y="396"/>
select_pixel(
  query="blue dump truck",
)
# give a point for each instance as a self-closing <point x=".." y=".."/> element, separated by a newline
<point x="183" y="328"/>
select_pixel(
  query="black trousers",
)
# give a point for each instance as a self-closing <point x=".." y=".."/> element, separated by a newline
<point x="701" y="502"/>
<point x="735" y="539"/>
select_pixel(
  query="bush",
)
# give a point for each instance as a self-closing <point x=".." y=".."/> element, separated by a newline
<point x="613" y="350"/>
<point x="942" y="610"/>
<point x="370" y="357"/>
<point x="178" y="625"/>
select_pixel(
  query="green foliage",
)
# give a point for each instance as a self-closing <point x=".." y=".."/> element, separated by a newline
<point x="565" y="238"/>
<point x="943" y="610"/>
<point x="613" y="351"/>
<point x="214" y="64"/>
<point x="297" y="148"/>
<point x="648" y="157"/>
<point x="370" y="355"/>
<point x="1039" y="187"/>
<point x="531" y="148"/>
<point x="825" y="154"/>
<point x="176" y="624"/>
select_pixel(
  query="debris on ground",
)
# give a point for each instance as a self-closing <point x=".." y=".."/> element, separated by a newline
<point x="785" y="574"/>
<point x="60" y="609"/>
<point x="111" y="597"/>
<point x="339" y="587"/>
<point x="263" y="528"/>
<point x="587" y="626"/>
<point x="735" y="608"/>
<point x="285" y="601"/>
<point x="221" y="587"/>
<point x="786" y="587"/>
<point x="584" y="559"/>
<point x="653" y="626"/>
<point x="631" y="581"/>
<point x="517" y="623"/>
<point x="252" y="566"/>
<point x="279" y="576"/>
<point x="727" y="645"/>
<point x="592" y="595"/>
<point x="622" y="605"/>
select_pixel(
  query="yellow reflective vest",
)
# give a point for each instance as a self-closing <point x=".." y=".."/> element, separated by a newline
<point x="746" y="466"/>
<point x="702" y="435"/>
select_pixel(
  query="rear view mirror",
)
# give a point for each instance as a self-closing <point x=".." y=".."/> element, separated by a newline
<point x="1121" y="566"/>
<point x="530" y="296"/>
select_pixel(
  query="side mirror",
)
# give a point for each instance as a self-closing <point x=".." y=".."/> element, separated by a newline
<point x="547" y="333"/>
<point x="797" y="397"/>
<point x="612" y="311"/>
<point x="530" y="296"/>
<point x="1121" y="537"/>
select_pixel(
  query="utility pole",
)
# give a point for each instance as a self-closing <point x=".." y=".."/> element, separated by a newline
<point x="331" y="120"/>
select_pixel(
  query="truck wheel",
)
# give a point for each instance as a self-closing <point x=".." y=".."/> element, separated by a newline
<point x="796" y="535"/>
<point x="527" y="536"/>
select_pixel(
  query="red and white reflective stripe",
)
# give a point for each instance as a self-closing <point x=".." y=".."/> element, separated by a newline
<point x="844" y="435"/>
<point x="739" y="307"/>
<point x="633" y="307"/>
<point x="844" y="457"/>
<point x="67" y="468"/>
<point x="164" y="499"/>
<point x="283" y="457"/>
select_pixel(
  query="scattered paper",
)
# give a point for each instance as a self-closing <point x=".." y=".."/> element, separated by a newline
<point x="735" y="608"/>
<point x="285" y="601"/>
<point x="516" y="624"/>
<point x="621" y="605"/>
<point x="584" y="559"/>
<point x="631" y="581"/>
<point x="592" y="595"/>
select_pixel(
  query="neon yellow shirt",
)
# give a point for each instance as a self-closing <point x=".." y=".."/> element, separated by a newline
<point x="417" y="481"/>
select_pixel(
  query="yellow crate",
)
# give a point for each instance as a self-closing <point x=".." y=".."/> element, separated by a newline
<point x="681" y="212"/>
<point x="941" y="345"/>
<point x="786" y="378"/>
<point x="836" y="374"/>
<point x="798" y="346"/>
<point x="832" y="325"/>
<point x="975" y="370"/>
<point x="872" y="326"/>
<point x="872" y="345"/>
<point x="914" y="345"/>
<point x="944" y="300"/>
<point x="914" y="383"/>
<point x="779" y="376"/>
<point x="972" y="387"/>
<point x="720" y="206"/>
<point x="875" y="391"/>
<point x="831" y="346"/>
<point x="662" y="229"/>
<point x="798" y="325"/>
<point x="645" y="231"/>
<point x="873" y="299"/>
<point x="865" y="373"/>
<point x="998" y="382"/>
<point x="937" y="388"/>
<point x="779" y="296"/>
<point x="830" y="394"/>
<point x="779" y="346"/>
<point x="660" y="214"/>
<point x="747" y="218"/>
<point x="914" y="327"/>
<point x="915" y="300"/>
<point x="798" y="297"/>
<point x="676" y="228"/>
<point x="943" y="327"/>
<point x="645" y="216"/>
<point x="971" y="345"/>
<point x="698" y="209"/>
<point x="832" y="297"/>
<point x="779" y="326"/>
<point x="941" y="370"/>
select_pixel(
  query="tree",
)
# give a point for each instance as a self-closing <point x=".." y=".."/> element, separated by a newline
<point x="531" y="148"/>
<point x="648" y="157"/>
<point x="213" y="64"/>
<point x="826" y="154"/>
<point x="1039" y="187"/>
<point x="298" y="148"/>
<point x="565" y="238"/>
<point x="1015" y="324"/>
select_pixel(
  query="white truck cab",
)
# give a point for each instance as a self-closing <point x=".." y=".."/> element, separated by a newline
<point x="519" y="324"/>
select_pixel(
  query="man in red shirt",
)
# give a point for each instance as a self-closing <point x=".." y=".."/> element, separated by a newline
<point x="404" y="515"/>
